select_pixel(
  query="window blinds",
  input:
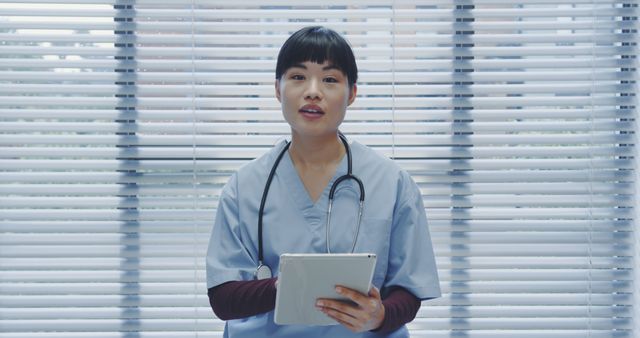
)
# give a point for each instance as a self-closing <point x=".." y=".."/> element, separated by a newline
<point x="120" y="121"/>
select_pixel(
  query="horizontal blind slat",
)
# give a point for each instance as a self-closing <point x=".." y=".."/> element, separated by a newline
<point x="515" y="119"/>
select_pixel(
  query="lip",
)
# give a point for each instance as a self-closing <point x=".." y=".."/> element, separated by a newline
<point x="311" y="109"/>
<point x="311" y="112"/>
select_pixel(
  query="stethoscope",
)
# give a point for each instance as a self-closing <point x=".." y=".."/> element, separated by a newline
<point x="264" y="271"/>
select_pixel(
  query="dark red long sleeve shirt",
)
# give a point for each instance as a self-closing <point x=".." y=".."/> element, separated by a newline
<point x="240" y="299"/>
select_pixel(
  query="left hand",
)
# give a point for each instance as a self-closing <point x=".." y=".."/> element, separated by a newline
<point x="366" y="314"/>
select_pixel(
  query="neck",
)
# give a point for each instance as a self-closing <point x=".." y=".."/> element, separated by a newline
<point x="316" y="153"/>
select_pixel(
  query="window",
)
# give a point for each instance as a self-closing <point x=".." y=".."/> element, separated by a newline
<point x="121" y="120"/>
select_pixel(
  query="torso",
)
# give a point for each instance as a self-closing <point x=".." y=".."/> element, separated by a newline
<point x="293" y="224"/>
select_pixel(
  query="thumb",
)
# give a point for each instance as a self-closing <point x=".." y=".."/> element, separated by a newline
<point x="374" y="292"/>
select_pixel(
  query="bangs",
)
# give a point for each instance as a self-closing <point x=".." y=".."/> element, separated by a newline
<point x="318" y="50"/>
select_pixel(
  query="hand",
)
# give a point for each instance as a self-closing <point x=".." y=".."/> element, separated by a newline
<point x="366" y="314"/>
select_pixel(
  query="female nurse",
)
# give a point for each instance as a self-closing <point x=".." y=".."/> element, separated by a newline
<point x="316" y="76"/>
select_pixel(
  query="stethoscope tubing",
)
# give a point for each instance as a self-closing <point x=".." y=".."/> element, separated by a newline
<point x="263" y="271"/>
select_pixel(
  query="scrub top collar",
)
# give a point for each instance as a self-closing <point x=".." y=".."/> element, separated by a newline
<point x="288" y="173"/>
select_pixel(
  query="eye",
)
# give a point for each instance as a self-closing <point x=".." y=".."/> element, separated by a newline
<point x="297" y="77"/>
<point x="331" y="80"/>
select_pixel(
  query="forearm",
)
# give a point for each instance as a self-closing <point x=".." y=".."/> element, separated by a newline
<point x="240" y="299"/>
<point x="400" y="307"/>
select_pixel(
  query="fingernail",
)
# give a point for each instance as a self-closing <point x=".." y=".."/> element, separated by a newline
<point x="338" y="289"/>
<point x="373" y="303"/>
<point x="320" y="303"/>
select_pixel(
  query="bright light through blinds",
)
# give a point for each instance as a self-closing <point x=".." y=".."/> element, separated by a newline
<point x="121" y="120"/>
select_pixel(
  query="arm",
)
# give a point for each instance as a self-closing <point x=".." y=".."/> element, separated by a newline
<point x="230" y="264"/>
<point x="240" y="299"/>
<point x="412" y="263"/>
<point x="370" y="313"/>
<point x="401" y="307"/>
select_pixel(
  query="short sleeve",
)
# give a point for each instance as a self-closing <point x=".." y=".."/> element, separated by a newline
<point x="227" y="256"/>
<point x="411" y="258"/>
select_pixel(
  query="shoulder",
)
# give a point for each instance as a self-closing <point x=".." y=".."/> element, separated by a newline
<point x="261" y="165"/>
<point x="382" y="171"/>
<point x="375" y="163"/>
<point x="366" y="156"/>
<point x="256" y="171"/>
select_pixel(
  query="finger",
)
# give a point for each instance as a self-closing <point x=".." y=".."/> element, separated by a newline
<point x="348" y="325"/>
<point x="361" y="299"/>
<point x="351" y="310"/>
<point x="352" y="316"/>
<point x="343" y="318"/>
<point x="345" y="324"/>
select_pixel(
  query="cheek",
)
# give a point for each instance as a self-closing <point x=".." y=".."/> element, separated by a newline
<point x="344" y="99"/>
<point x="289" y="93"/>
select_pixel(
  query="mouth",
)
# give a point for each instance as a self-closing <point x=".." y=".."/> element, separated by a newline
<point x="311" y="109"/>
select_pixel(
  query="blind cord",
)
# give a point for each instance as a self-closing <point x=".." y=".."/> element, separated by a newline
<point x="393" y="79"/>
<point x="590" y="172"/>
<point x="194" y="173"/>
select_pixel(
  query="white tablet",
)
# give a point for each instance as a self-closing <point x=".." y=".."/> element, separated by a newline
<point x="303" y="278"/>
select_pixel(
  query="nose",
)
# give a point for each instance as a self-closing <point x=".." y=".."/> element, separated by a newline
<point x="313" y="91"/>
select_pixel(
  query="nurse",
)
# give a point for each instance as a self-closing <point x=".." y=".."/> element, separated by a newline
<point x="316" y="76"/>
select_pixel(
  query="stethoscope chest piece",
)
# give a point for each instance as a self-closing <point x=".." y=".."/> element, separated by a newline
<point x="263" y="272"/>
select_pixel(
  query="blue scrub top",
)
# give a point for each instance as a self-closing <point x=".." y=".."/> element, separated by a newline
<point x="394" y="226"/>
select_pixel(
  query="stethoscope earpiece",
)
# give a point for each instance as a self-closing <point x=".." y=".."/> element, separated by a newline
<point x="263" y="271"/>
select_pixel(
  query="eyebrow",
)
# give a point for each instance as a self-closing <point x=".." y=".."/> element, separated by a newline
<point x="300" y="65"/>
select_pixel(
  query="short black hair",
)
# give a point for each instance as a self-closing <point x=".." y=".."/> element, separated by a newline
<point x="317" y="44"/>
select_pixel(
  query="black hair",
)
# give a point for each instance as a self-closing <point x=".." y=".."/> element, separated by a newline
<point x="317" y="44"/>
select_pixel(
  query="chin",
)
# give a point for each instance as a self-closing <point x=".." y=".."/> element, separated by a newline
<point x="309" y="132"/>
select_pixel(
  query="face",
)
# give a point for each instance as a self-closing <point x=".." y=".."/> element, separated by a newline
<point x="314" y="98"/>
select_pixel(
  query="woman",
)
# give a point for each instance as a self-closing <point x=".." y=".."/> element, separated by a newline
<point x="316" y="76"/>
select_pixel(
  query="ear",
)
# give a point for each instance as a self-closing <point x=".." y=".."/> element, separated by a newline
<point x="278" y="90"/>
<point x="352" y="94"/>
